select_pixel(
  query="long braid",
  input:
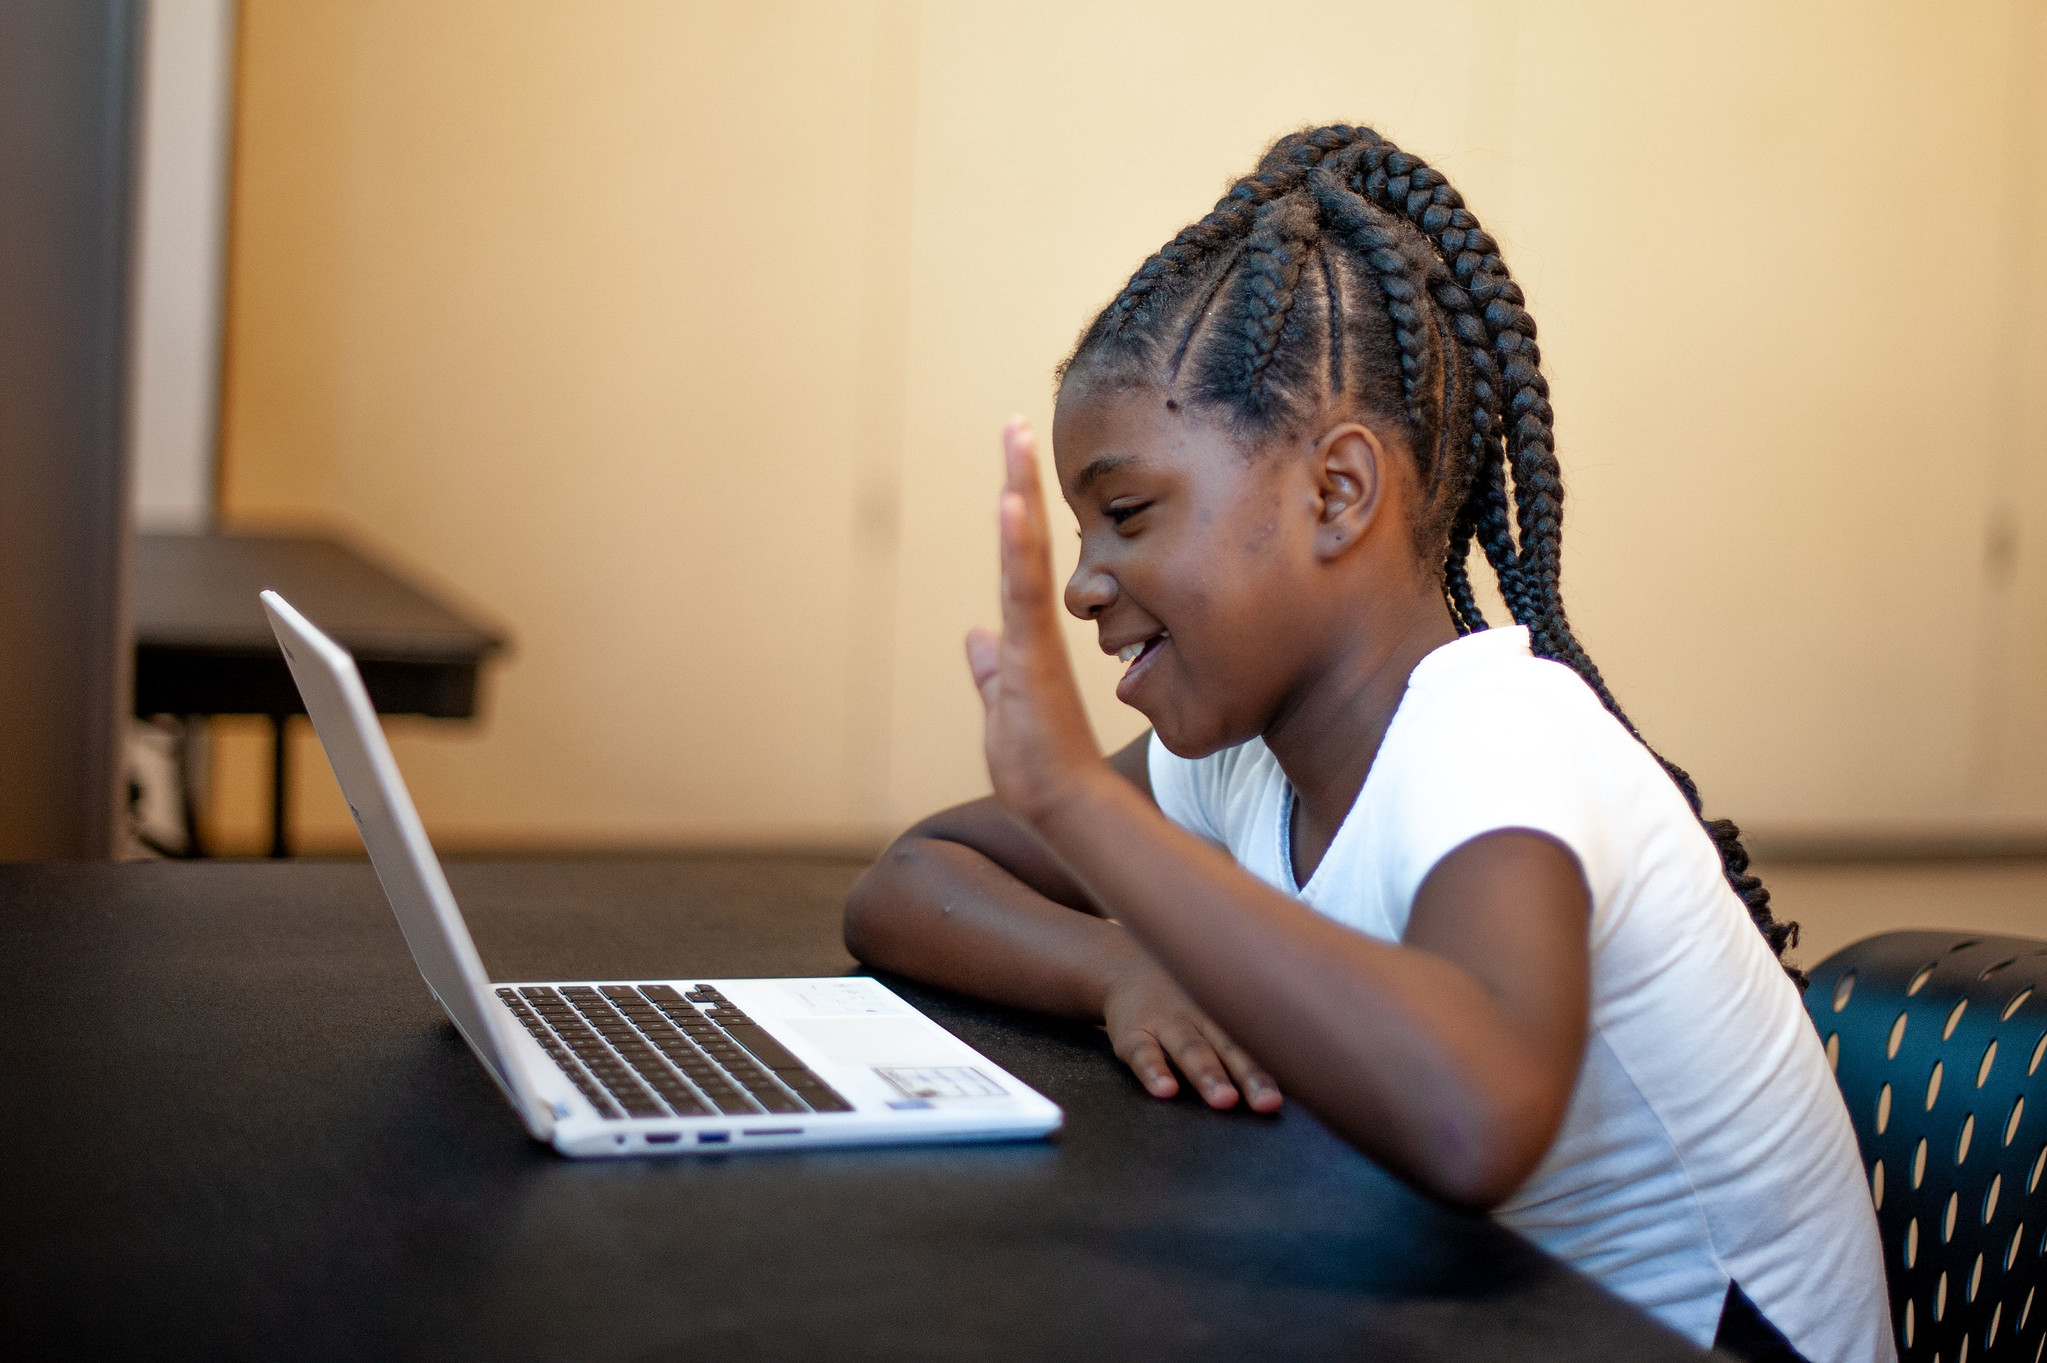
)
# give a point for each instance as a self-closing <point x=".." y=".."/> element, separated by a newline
<point x="1402" y="183"/>
<point x="1229" y="285"/>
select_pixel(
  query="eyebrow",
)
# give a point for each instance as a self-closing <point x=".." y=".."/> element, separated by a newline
<point x="1100" y="467"/>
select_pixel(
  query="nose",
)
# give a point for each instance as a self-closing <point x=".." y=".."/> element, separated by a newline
<point x="1089" y="591"/>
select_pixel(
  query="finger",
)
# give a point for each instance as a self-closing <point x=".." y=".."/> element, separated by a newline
<point x="1148" y="1062"/>
<point x="1020" y="467"/>
<point x="984" y="660"/>
<point x="1026" y="535"/>
<point x="1204" y="1069"/>
<point x="1261" y="1090"/>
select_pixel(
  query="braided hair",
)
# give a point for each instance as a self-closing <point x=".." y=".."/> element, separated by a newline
<point x="1346" y="269"/>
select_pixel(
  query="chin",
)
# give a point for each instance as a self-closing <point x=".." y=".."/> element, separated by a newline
<point x="1193" y="737"/>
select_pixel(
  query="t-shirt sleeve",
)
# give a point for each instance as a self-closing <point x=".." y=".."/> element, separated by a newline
<point x="1488" y="768"/>
<point x="1189" y="791"/>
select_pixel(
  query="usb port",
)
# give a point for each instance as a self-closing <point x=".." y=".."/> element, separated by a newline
<point x="713" y="1137"/>
<point x="664" y="1137"/>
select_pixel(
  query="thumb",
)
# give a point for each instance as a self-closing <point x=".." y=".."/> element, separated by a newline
<point x="984" y="660"/>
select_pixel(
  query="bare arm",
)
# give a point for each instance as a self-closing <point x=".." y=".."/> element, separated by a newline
<point x="973" y="900"/>
<point x="1449" y="1058"/>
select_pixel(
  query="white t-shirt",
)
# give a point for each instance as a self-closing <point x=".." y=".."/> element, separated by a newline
<point x="1706" y="1140"/>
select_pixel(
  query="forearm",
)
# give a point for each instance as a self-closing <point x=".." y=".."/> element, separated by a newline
<point x="940" y="911"/>
<point x="1401" y="1052"/>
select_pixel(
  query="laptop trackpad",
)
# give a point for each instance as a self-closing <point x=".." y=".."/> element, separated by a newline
<point x="877" y="1040"/>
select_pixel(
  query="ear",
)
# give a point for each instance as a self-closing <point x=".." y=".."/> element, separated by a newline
<point x="1350" y="477"/>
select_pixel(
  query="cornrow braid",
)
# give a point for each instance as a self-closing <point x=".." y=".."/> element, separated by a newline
<point x="1261" y="304"/>
<point x="1332" y="308"/>
<point x="1417" y="332"/>
<point x="1224" y="225"/>
<point x="1450" y="346"/>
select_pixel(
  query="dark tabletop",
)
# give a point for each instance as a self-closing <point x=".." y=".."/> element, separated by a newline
<point x="235" y="1124"/>
<point x="200" y="591"/>
<point x="204" y="646"/>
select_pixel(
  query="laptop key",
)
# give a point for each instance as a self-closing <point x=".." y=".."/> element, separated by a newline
<point x="776" y="1101"/>
<point x="679" y="1096"/>
<point x="765" y="1048"/>
<point x="821" y="1096"/>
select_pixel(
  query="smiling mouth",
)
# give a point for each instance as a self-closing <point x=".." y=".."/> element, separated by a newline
<point x="1130" y="653"/>
<point x="1139" y="656"/>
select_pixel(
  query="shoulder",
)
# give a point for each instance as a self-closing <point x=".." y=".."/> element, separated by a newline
<point x="1490" y="737"/>
<point x="1493" y="675"/>
<point x="1486" y="705"/>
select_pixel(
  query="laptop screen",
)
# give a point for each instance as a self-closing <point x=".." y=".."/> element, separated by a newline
<point x="404" y="860"/>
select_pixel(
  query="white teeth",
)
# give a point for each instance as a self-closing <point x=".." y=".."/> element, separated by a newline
<point x="1130" y="652"/>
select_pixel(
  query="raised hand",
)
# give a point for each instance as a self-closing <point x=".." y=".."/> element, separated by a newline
<point x="1041" y="749"/>
<point x="1042" y="752"/>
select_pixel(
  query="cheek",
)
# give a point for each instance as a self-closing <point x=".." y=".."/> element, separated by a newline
<point x="1230" y="593"/>
<point x="1222" y="681"/>
<point x="1223" y="600"/>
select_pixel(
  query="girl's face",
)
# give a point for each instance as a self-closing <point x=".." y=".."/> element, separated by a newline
<point x="1197" y="564"/>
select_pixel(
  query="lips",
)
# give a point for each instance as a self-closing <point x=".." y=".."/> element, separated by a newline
<point x="1140" y="655"/>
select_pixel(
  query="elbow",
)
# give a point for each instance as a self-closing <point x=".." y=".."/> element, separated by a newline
<point x="857" y="921"/>
<point x="1477" y="1184"/>
<point x="1478" y="1159"/>
<point x="865" y="919"/>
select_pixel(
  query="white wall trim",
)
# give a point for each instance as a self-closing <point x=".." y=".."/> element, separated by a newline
<point x="180" y="260"/>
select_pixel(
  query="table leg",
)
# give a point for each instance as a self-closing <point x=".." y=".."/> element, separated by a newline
<point x="280" y="845"/>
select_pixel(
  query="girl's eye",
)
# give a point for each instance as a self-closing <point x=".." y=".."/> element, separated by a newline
<point x="1121" y="514"/>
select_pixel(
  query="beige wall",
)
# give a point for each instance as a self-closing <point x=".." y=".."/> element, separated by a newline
<point x="676" y="338"/>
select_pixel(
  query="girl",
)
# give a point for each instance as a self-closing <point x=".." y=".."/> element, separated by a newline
<point x="1425" y="872"/>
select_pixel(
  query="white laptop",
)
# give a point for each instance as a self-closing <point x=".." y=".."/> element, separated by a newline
<point x="654" y="1067"/>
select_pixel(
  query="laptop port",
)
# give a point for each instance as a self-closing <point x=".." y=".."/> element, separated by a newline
<point x="771" y="1131"/>
<point x="713" y="1137"/>
<point x="664" y="1137"/>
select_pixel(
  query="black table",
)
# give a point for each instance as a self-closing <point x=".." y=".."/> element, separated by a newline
<point x="237" y="1126"/>
<point x="203" y="645"/>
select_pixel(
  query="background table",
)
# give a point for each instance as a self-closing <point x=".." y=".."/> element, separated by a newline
<point x="203" y="645"/>
<point x="237" y="1125"/>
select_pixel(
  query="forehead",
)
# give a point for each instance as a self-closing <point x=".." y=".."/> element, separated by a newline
<point x="1096" y="434"/>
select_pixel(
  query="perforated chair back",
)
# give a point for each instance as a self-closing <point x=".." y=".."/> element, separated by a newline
<point x="1937" y="1039"/>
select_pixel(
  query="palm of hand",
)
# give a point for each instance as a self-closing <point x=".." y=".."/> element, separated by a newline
<point x="1040" y="747"/>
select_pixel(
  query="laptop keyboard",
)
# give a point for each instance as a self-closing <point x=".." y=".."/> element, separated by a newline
<point x="650" y="1051"/>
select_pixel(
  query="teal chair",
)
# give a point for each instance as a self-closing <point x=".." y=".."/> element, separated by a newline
<point x="1937" y="1040"/>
